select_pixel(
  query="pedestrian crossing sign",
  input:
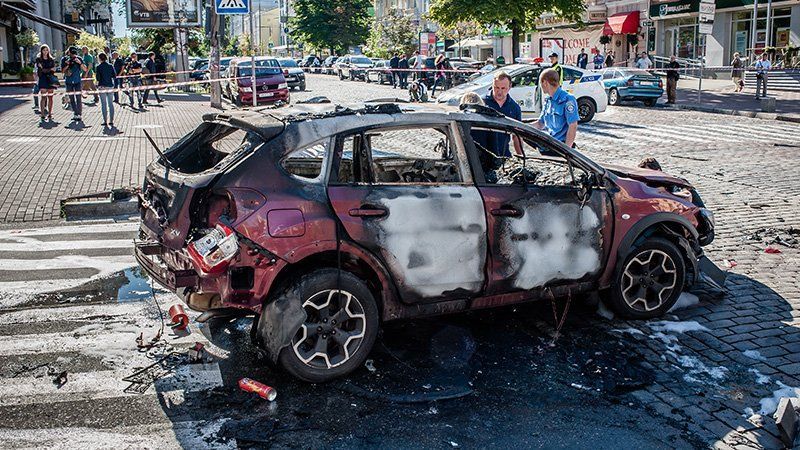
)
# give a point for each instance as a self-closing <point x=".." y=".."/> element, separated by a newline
<point x="232" y="6"/>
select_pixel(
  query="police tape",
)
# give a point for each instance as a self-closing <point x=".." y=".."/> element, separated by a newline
<point x="143" y="75"/>
<point x="129" y="89"/>
<point x="388" y="69"/>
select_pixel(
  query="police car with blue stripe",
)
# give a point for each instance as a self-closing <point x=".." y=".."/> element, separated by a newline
<point x="586" y="86"/>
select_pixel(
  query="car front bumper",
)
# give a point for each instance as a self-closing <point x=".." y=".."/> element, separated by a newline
<point x="265" y="97"/>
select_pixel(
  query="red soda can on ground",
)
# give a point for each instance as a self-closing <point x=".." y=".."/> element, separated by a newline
<point x="178" y="316"/>
<point x="263" y="391"/>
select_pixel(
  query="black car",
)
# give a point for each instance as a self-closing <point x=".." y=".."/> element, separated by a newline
<point x="327" y="65"/>
<point x="311" y="64"/>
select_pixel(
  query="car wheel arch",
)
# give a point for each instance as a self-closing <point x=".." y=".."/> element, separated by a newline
<point x="594" y="105"/>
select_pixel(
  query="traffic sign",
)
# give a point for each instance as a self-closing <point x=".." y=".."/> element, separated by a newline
<point x="705" y="28"/>
<point x="232" y="6"/>
<point x="646" y="23"/>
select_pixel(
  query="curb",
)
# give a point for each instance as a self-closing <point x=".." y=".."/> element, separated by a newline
<point x="736" y="112"/>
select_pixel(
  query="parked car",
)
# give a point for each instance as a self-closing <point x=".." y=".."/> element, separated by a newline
<point x="294" y="75"/>
<point x="271" y="85"/>
<point x="328" y="65"/>
<point x="353" y="67"/>
<point x="311" y="63"/>
<point x="583" y="84"/>
<point x="200" y="72"/>
<point x="318" y="221"/>
<point x="623" y="83"/>
<point x="380" y="72"/>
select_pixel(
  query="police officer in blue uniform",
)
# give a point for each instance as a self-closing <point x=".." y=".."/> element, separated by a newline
<point x="560" y="112"/>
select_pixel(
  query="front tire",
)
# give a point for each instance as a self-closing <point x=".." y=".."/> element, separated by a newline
<point x="339" y="330"/>
<point x="650" y="102"/>
<point x="586" y="110"/>
<point x="649" y="280"/>
<point x="613" y="97"/>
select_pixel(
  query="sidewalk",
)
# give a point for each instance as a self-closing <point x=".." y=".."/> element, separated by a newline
<point x="718" y="96"/>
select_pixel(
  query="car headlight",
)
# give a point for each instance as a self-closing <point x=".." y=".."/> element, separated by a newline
<point x="247" y="89"/>
<point x="283" y="86"/>
<point x="708" y="216"/>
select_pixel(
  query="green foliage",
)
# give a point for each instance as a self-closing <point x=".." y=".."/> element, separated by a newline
<point x="27" y="38"/>
<point x="122" y="45"/>
<point x="334" y="24"/>
<point x="162" y="41"/>
<point x="243" y="47"/>
<point x="605" y="40"/>
<point x="91" y="41"/>
<point x="394" y="33"/>
<point x="460" y="30"/>
<point x="633" y="40"/>
<point x="26" y="70"/>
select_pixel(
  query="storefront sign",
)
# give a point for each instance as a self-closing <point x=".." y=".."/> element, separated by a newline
<point x="659" y="10"/>
<point x="427" y="44"/>
<point x="741" y="42"/>
<point x="597" y="16"/>
<point x="705" y="28"/>
<point x="568" y="43"/>
<point x="163" y="13"/>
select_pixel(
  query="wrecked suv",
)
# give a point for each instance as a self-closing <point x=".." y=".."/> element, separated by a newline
<point x="326" y="221"/>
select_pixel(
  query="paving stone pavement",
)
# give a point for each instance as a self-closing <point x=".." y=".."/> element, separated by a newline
<point x="744" y="343"/>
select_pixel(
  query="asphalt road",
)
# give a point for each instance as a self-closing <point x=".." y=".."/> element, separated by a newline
<point x="488" y="378"/>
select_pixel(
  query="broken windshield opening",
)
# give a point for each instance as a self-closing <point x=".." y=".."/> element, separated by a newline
<point x="211" y="145"/>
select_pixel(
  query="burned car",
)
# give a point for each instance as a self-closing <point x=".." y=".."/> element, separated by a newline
<point x="326" y="221"/>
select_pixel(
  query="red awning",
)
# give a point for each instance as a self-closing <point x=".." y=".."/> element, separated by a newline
<point x="622" y="23"/>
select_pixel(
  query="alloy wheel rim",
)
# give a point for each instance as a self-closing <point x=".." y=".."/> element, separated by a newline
<point x="613" y="96"/>
<point x="334" y="329"/>
<point x="583" y="111"/>
<point x="648" y="280"/>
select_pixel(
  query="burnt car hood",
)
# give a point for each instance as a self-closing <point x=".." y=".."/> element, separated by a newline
<point x="647" y="175"/>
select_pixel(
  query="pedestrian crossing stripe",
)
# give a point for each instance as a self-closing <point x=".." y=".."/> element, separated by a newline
<point x="232" y="6"/>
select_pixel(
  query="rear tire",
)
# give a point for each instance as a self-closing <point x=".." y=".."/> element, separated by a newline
<point x="650" y="102"/>
<point x="340" y="328"/>
<point x="586" y="110"/>
<point x="613" y="97"/>
<point x="649" y="280"/>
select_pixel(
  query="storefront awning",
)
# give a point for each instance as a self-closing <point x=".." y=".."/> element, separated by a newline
<point x="471" y="42"/>
<point x="43" y="20"/>
<point x="622" y="23"/>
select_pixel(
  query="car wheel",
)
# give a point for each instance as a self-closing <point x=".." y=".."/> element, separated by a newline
<point x="303" y="86"/>
<point x="339" y="330"/>
<point x="586" y="110"/>
<point x="650" y="102"/>
<point x="237" y="101"/>
<point x="341" y="77"/>
<point x="613" y="97"/>
<point x="649" y="280"/>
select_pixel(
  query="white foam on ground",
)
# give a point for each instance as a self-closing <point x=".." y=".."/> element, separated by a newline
<point x="770" y="404"/>
<point x="677" y="327"/>
<point x="760" y="377"/>
<point x="33" y="245"/>
<point x="100" y="263"/>
<point x="603" y="311"/>
<point x="669" y="340"/>
<point x="71" y="229"/>
<point x="632" y="331"/>
<point x="684" y="301"/>
<point x="754" y="354"/>
<point x="695" y="366"/>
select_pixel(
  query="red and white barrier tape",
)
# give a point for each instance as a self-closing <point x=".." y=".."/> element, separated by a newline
<point x="142" y="87"/>
<point x="143" y="75"/>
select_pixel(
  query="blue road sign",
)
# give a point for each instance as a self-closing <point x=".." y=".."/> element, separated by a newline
<point x="232" y="6"/>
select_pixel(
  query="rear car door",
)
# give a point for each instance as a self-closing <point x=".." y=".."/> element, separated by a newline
<point x="405" y="193"/>
<point x="523" y="90"/>
<point x="546" y="228"/>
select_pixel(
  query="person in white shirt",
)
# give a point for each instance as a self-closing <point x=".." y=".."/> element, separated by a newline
<point x="418" y="63"/>
<point x="763" y="67"/>
<point x="644" y="62"/>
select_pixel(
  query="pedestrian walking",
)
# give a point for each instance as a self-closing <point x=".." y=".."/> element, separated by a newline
<point x="394" y="63"/>
<point x="47" y="81"/>
<point x="560" y="113"/>
<point x="763" y="66"/>
<point x="737" y="73"/>
<point x="442" y="64"/>
<point x="556" y="66"/>
<point x="88" y="81"/>
<point x="403" y="74"/>
<point x="73" y="68"/>
<point x="583" y="59"/>
<point x="598" y="60"/>
<point x="151" y="80"/>
<point x="133" y="68"/>
<point x="610" y="59"/>
<point x="106" y="77"/>
<point x="119" y="63"/>
<point x="644" y="62"/>
<point x="673" y="75"/>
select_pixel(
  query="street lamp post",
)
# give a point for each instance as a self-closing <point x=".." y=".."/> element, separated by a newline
<point x="252" y="58"/>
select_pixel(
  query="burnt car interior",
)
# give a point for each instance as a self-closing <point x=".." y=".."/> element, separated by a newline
<point x="382" y="156"/>
<point x="208" y="145"/>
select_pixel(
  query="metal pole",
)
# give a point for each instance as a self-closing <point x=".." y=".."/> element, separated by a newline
<point x="702" y="66"/>
<point x="753" y="29"/>
<point x="253" y="59"/>
<point x="768" y="41"/>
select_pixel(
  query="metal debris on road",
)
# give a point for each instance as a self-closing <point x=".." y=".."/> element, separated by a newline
<point x="370" y="365"/>
<point x="729" y="263"/>
<point x="772" y="250"/>
<point x="179" y="318"/>
<point x="143" y="378"/>
<point x="61" y="379"/>
<point x="263" y="391"/>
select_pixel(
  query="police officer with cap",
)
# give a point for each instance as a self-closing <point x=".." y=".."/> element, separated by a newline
<point x="556" y="66"/>
<point x="560" y="113"/>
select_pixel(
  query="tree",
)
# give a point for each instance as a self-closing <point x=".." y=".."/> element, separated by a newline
<point x="91" y="41"/>
<point x="27" y="39"/>
<point x="460" y="31"/>
<point x="122" y="45"/>
<point x="514" y="14"/>
<point x="243" y="46"/>
<point x="396" y="32"/>
<point x="333" y="24"/>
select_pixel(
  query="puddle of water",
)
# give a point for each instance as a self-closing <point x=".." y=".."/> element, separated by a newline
<point x="129" y="285"/>
<point x="137" y="286"/>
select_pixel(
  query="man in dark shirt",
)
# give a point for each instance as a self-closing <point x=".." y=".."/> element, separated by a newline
<point x="150" y="64"/>
<point x="673" y="75"/>
<point x="402" y="74"/>
<point x="134" y="69"/>
<point x="499" y="100"/>
<point x="583" y="59"/>
<point x="105" y="82"/>
<point x="118" y="63"/>
<point x="394" y="63"/>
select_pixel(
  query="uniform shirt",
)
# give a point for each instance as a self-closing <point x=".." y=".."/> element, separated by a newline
<point x="598" y="61"/>
<point x="560" y="110"/>
<point x="763" y="66"/>
<point x="557" y="67"/>
<point x="394" y="63"/>
<point x="583" y="60"/>
<point x="511" y="109"/>
<point x="119" y="63"/>
<point x="151" y="66"/>
<point x="134" y="66"/>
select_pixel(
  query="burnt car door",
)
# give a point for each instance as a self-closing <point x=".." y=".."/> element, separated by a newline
<point x="405" y="193"/>
<point x="548" y="222"/>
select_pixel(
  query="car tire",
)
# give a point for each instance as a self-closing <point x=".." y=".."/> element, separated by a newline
<point x="303" y="86"/>
<point x="650" y="102"/>
<point x="613" y="97"/>
<point x="237" y="101"/>
<point x="303" y="357"/>
<point x="649" y="280"/>
<point x="341" y="77"/>
<point x="586" y="110"/>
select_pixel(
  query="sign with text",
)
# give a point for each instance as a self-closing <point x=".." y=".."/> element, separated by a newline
<point x="163" y="13"/>
<point x="568" y="43"/>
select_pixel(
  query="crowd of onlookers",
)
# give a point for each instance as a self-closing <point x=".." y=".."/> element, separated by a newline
<point x="102" y="75"/>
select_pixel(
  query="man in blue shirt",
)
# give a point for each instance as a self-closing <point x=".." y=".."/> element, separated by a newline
<point x="497" y="143"/>
<point x="560" y="113"/>
<point x="72" y="67"/>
